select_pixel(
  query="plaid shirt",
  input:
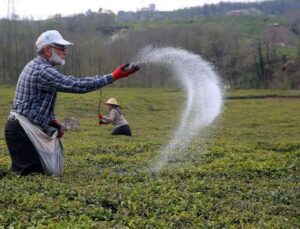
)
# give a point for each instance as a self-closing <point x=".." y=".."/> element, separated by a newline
<point x="38" y="85"/>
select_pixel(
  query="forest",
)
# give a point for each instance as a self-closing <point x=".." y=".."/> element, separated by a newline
<point x="251" y="45"/>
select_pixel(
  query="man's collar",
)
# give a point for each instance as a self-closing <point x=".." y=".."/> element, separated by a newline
<point x="43" y="59"/>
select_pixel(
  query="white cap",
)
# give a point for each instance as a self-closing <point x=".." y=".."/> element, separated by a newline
<point x="50" y="37"/>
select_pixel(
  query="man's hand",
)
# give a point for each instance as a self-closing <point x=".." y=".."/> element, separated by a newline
<point x="124" y="71"/>
<point x="56" y="124"/>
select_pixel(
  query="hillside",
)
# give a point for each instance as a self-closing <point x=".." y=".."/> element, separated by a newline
<point x="248" y="43"/>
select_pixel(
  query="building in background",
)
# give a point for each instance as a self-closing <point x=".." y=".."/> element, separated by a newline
<point x="151" y="7"/>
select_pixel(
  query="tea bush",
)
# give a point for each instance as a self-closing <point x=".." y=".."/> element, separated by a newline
<point x="242" y="173"/>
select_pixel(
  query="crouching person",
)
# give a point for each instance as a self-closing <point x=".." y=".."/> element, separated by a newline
<point x="116" y="117"/>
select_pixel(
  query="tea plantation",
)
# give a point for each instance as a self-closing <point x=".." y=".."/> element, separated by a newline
<point x="242" y="172"/>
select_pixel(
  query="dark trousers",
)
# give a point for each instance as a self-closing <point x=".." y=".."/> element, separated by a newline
<point x="122" y="130"/>
<point x="25" y="158"/>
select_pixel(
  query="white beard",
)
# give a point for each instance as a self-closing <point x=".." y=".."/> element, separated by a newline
<point x="56" y="59"/>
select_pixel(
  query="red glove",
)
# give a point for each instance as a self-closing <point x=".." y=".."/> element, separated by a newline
<point x="58" y="126"/>
<point x="100" y="116"/>
<point x="124" y="71"/>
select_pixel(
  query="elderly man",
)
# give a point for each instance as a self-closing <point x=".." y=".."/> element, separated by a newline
<point x="32" y="112"/>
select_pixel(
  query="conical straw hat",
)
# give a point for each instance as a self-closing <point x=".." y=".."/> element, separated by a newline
<point x="112" y="101"/>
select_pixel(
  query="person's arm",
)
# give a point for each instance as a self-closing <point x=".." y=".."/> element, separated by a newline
<point x="57" y="125"/>
<point x="101" y="120"/>
<point x="110" y="118"/>
<point x="51" y="79"/>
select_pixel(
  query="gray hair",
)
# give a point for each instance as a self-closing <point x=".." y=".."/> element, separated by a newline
<point x="40" y="51"/>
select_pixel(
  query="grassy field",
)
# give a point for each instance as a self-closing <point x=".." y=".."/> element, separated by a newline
<point x="244" y="174"/>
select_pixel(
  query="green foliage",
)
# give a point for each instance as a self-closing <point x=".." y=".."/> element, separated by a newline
<point x="103" y="40"/>
<point x="244" y="174"/>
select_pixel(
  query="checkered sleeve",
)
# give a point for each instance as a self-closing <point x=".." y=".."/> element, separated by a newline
<point x="51" y="79"/>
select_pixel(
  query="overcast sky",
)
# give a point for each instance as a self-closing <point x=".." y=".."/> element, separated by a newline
<point x="42" y="9"/>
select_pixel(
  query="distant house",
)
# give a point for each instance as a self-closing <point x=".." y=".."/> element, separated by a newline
<point x="250" y="11"/>
<point x="124" y="16"/>
<point x="234" y="13"/>
<point x="150" y="8"/>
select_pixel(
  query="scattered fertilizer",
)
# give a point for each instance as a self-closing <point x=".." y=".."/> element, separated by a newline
<point x="203" y="94"/>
